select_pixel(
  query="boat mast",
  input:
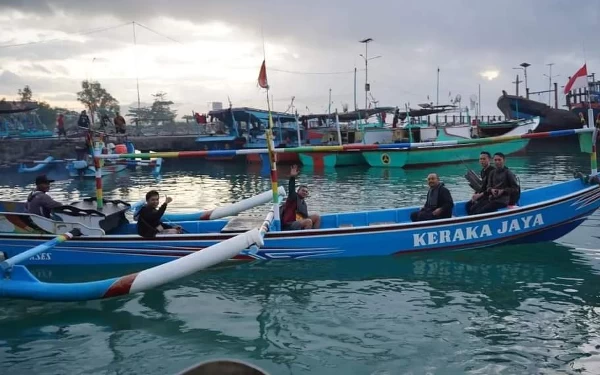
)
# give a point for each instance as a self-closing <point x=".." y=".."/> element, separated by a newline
<point x="479" y="102"/>
<point x="355" y="105"/>
<point x="329" y="109"/>
<point x="137" y="81"/>
<point x="437" y="95"/>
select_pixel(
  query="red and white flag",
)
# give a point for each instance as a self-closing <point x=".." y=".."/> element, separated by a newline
<point x="578" y="81"/>
<point x="262" y="76"/>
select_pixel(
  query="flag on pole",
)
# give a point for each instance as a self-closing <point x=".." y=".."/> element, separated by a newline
<point x="262" y="76"/>
<point x="578" y="81"/>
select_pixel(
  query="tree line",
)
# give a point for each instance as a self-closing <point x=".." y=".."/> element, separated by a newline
<point x="98" y="102"/>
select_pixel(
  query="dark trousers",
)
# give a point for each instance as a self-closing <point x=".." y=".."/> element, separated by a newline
<point x="483" y="206"/>
<point x="422" y="215"/>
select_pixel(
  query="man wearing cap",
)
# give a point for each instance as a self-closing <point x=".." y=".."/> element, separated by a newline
<point x="38" y="202"/>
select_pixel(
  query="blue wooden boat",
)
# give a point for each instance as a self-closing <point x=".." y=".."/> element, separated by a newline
<point x="239" y="128"/>
<point x="543" y="214"/>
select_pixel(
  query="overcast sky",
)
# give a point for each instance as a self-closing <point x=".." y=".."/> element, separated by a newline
<point x="208" y="51"/>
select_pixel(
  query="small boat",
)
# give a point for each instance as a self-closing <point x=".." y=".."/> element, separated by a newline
<point x="349" y="128"/>
<point x="81" y="169"/>
<point x="450" y="147"/>
<point x="37" y="167"/>
<point x="545" y="213"/>
<point x="244" y="128"/>
<point x="20" y="120"/>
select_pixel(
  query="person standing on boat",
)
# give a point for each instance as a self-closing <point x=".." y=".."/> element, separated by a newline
<point x="60" y="125"/>
<point x="294" y="215"/>
<point x="84" y="120"/>
<point x="479" y="198"/>
<point x="38" y="202"/>
<point x="439" y="203"/>
<point x="148" y="217"/>
<point x="502" y="187"/>
<point x="119" y="122"/>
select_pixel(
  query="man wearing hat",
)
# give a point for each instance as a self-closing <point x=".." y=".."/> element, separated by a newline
<point x="38" y="202"/>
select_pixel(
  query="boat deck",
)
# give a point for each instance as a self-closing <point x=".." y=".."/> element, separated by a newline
<point x="242" y="224"/>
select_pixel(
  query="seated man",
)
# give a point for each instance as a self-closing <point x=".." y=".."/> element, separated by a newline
<point x="501" y="186"/>
<point x="38" y="202"/>
<point x="148" y="217"/>
<point x="480" y="197"/>
<point x="295" y="215"/>
<point x="439" y="203"/>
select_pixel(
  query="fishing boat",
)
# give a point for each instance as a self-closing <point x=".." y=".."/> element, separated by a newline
<point x="84" y="166"/>
<point x="239" y="128"/>
<point x="518" y="107"/>
<point x="545" y="213"/>
<point x="343" y="128"/>
<point x="449" y="147"/>
<point x="20" y="120"/>
<point x="104" y="235"/>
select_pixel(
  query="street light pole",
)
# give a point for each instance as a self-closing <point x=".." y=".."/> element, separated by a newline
<point x="366" y="57"/>
<point x="550" y="76"/>
<point x="525" y="65"/>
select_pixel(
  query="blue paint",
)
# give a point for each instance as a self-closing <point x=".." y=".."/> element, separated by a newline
<point x="22" y="284"/>
<point x="36" y="168"/>
<point x="545" y="213"/>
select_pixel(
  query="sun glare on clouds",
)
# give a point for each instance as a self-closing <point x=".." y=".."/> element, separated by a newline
<point x="490" y="74"/>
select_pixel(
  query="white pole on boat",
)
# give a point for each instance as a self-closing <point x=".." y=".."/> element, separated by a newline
<point x="10" y="262"/>
<point x="192" y="263"/>
<point x="591" y="124"/>
<point x="479" y="101"/>
<point x="329" y="108"/>
<point x="299" y="133"/>
<point x="337" y="125"/>
<point x="245" y="204"/>
<point x="437" y="95"/>
<point x="355" y="104"/>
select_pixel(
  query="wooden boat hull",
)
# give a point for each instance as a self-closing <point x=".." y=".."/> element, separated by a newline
<point x="90" y="172"/>
<point x="332" y="159"/>
<point x="467" y="149"/>
<point x="438" y="155"/>
<point x="544" y="214"/>
<point x="281" y="158"/>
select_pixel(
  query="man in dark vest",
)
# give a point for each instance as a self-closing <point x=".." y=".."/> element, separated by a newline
<point x="439" y="203"/>
<point x="480" y="198"/>
<point x="294" y="215"/>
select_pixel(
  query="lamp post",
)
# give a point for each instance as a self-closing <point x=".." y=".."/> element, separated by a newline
<point x="523" y="66"/>
<point x="366" y="58"/>
<point x="550" y="76"/>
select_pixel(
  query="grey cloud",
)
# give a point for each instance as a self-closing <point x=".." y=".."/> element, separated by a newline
<point x="462" y="37"/>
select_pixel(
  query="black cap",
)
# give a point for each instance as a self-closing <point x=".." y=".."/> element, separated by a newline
<point x="42" y="179"/>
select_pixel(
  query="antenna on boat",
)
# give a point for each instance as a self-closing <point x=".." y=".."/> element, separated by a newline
<point x="137" y="80"/>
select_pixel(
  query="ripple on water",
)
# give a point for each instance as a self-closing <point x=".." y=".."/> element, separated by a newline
<point x="527" y="309"/>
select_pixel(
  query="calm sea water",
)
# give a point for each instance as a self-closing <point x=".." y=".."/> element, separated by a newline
<point x="511" y="310"/>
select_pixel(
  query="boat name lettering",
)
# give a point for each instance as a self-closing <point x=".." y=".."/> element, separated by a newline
<point x="477" y="231"/>
<point x="41" y="256"/>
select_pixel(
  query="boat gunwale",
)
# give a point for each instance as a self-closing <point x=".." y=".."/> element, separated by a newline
<point x="391" y="227"/>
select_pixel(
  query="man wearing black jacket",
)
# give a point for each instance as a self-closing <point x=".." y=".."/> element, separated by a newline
<point x="148" y="218"/>
<point x="501" y="187"/>
<point x="479" y="198"/>
<point x="439" y="202"/>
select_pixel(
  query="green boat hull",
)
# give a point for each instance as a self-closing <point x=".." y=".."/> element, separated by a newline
<point x="332" y="159"/>
<point x="438" y="155"/>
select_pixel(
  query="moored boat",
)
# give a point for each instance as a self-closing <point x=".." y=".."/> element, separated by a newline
<point x="542" y="214"/>
<point x="451" y="148"/>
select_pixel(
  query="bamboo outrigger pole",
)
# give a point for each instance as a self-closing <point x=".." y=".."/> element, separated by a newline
<point x="262" y="82"/>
